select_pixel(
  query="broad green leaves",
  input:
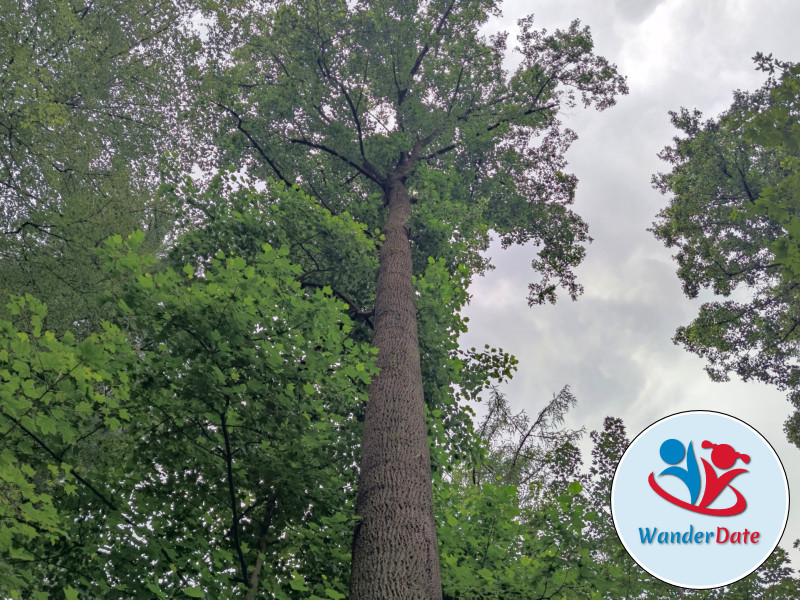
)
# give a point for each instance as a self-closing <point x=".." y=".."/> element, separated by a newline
<point x="57" y="399"/>
<point x="210" y="437"/>
<point x="256" y="380"/>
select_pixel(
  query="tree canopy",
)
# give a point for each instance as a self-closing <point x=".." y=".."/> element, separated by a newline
<point x="732" y="216"/>
<point x="339" y="98"/>
<point x="85" y="110"/>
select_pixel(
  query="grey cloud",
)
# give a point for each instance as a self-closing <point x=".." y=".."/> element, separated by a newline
<point x="635" y="10"/>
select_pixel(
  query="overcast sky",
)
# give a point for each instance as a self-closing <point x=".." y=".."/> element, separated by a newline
<point x="613" y="346"/>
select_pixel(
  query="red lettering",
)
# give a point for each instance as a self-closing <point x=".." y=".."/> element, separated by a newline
<point x="720" y="539"/>
<point x="736" y="537"/>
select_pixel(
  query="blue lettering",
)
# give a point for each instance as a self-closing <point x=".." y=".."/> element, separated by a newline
<point x="687" y="537"/>
<point x="647" y="538"/>
<point x="691" y="536"/>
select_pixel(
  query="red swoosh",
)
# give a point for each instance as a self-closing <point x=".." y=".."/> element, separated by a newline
<point x="737" y="508"/>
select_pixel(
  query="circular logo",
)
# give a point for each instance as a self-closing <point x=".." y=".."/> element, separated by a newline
<point x="699" y="499"/>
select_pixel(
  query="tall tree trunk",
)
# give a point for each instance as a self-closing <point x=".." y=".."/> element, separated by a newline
<point x="395" y="554"/>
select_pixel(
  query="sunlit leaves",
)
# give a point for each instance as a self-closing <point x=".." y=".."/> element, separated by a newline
<point x="53" y="393"/>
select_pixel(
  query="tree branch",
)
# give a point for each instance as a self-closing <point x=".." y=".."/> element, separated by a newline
<point x="253" y="142"/>
<point x="426" y="48"/>
<point x="262" y="549"/>
<point x="232" y="492"/>
<point x="366" y="171"/>
<point x="353" y="110"/>
<point x="46" y="229"/>
<point x="492" y="127"/>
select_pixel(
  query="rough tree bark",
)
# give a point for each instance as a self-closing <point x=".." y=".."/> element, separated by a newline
<point x="395" y="553"/>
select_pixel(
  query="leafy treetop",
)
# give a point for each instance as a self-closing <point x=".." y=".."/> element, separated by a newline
<point x="733" y="218"/>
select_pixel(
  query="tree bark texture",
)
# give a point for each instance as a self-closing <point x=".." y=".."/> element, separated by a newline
<point x="395" y="553"/>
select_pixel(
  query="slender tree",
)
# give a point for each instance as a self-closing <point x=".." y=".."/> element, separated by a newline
<point x="404" y="116"/>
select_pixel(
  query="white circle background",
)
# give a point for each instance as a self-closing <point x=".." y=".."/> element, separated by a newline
<point x="635" y="505"/>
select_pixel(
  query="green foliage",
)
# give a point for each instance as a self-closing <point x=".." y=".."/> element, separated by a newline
<point x="230" y="215"/>
<point x="338" y="98"/>
<point x="86" y="104"/>
<point x="512" y="525"/>
<point x="201" y="441"/>
<point x="777" y="129"/>
<point x="257" y="380"/>
<point x="62" y="405"/>
<point x="123" y="457"/>
<point x="221" y="443"/>
<point x="543" y="529"/>
<point x="733" y="217"/>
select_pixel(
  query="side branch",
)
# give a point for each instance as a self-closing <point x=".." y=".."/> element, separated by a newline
<point x="262" y="549"/>
<point x="353" y="109"/>
<point x="365" y="170"/>
<point x="492" y="127"/>
<point x="39" y="442"/>
<point x="426" y="48"/>
<point x="527" y="113"/>
<point x="233" y="500"/>
<point x="43" y="228"/>
<point x="253" y="142"/>
<point x="401" y="93"/>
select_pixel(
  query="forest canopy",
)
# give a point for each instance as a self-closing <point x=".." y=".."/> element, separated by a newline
<point x="236" y="240"/>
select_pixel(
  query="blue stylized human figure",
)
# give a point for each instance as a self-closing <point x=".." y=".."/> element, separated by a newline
<point x="672" y="452"/>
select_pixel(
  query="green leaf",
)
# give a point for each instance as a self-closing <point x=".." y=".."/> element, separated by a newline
<point x="298" y="582"/>
<point x="21" y="368"/>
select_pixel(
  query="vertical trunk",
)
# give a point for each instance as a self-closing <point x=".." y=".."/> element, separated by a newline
<point x="395" y="554"/>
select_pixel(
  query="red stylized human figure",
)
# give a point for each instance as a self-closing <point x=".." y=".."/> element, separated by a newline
<point x="724" y="457"/>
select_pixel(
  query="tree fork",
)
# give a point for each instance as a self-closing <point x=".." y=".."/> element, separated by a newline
<point x="395" y="553"/>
